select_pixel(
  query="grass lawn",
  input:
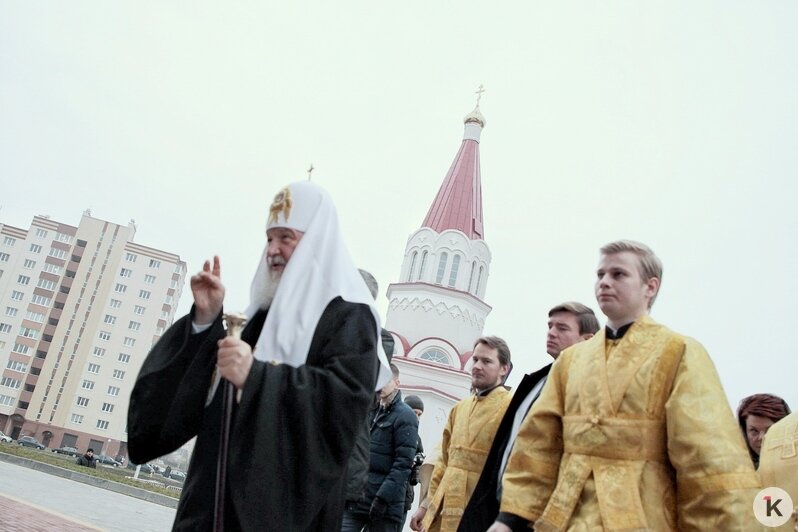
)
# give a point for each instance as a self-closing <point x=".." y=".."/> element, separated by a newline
<point x="155" y="483"/>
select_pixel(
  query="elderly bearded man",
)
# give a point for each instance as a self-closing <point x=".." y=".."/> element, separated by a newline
<point x="306" y="370"/>
<point x="633" y="430"/>
<point x="467" y="437"/>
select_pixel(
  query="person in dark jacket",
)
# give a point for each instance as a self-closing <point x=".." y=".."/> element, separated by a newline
<point x="358" y="467"/>
<point x="87" y="460"/>
<point x="414" y="402"/>
<point x="392" y="447"/>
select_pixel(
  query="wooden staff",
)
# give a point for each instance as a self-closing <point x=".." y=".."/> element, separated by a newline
<point x="235" y="324"/>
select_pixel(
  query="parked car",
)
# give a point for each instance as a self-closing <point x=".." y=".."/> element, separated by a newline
<point x="4" y="438"/>
<point x="106" y="460"/>
<point x="30" y="441"/>
<point x="145" y="468"/>
<point x="177" y="475"/>
<point x="70" y="451"/>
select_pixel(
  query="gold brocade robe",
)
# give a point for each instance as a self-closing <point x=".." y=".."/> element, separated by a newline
<point x="635" y="434"/>
<point x="466" y="441"/>
<point x="778" y="462"/>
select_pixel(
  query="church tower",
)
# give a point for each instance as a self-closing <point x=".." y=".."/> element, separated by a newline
<point x="437" y="310"/>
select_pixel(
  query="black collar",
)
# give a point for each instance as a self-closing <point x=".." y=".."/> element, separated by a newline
<point x="616" y="335"/>
<point x="485" y="392"/>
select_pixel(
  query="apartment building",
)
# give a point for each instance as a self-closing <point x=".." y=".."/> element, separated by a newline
<point x="80" y="308"/>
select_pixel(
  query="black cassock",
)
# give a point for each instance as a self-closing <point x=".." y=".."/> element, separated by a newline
<point x="292" y="432"/>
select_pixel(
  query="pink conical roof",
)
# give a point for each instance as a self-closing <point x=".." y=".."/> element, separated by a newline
<point x="458" y="204"/>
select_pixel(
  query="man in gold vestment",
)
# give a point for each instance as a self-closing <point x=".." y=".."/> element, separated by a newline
<point x="633" y="430"/>
<point x="778" y="462"/>
<point x="467" y="438"/>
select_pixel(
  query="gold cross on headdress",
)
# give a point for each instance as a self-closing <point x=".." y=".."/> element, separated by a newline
<point x="479" y="92"/>
<point x="282" y="204"/>
<point x="310" y="171"/>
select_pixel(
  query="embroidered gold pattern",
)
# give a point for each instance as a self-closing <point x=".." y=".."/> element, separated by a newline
<point x="282" y="204"/>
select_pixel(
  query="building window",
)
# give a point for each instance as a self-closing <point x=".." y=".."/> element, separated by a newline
<point x="126" y="272"/>
<point x="16" y="365"/>
<point x="41" y="300"/>
<point x="134" y="326"/>
<point x="107" y="407"/>
<point x="87" y="385"/>
<point x="139" y="310"/>
<point x="423" y="264"/>
<point x="22" y="349"/>
<point x="35" y="248"/>
<point x="98" y="352"/>
<point x="113" y="391"/>
<point x="47" y="285"/>
<point x="62" y="237"/>
<point x="105" y="335"/>
<point x="441" y="267"/>
<point x="129" y="342"/>
<point x="93" y="368"/>
<point x="4" y="257"/>
<point x="435" y="355"/>
<point x="41" y="233"/>
<point x="83" y="401"/>
<point x="29" y="264"/>
<point x="8" y="241"/>
<point x="17" y="295"/>
<point x="412" y="272"/>
<point x="119" y="374"/>
<point x="11" y="311"/>
<point x="144" y="294"/>
<point x="149" y="279"/>
<point x="109" y="319"/>
<point x="77" y="419"/>
<point x="102" y="424"/>
<point x="57" y="253"/>
<point x="6" y="400"/>
<point x="471" y="276"/>
<point x="52" y="268"/>
<point x="124" y="358"/>
<point x="120" y="288"/>
<point x="27" y="332"/>
<point x="115" y="303"/>
<point x="8" y="382"/>
<point x="155" y="263"/>
<point x="23" y="279"/>
<point x="38" y="317"/>
<point x="130" y="257"/>
<point x="5" y="327"/>
<point x="479" y="279"/>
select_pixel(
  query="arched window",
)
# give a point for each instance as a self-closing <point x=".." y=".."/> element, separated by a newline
<point x="479" y="280"/>
<point x="412" y="266"/>
<point x="455" y="267"/>
<point x="471" y="277"/>
<point x="423" y="263"/>
<point x="441" y="267"/>
<point x="437" y="356"/>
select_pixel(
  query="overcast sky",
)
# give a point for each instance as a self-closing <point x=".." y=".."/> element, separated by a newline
<point x="673" y="124"/>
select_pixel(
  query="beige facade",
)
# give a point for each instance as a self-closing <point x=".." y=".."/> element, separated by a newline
<point x="80" y="308"/>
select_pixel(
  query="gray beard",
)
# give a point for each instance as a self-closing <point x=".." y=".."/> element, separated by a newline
<point x="265" y="296"/>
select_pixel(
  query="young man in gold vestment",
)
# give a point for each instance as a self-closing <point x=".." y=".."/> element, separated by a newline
<point x="467" y="438"/>
<point x="778" y="464"/>
<point x="633" y="430"/>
